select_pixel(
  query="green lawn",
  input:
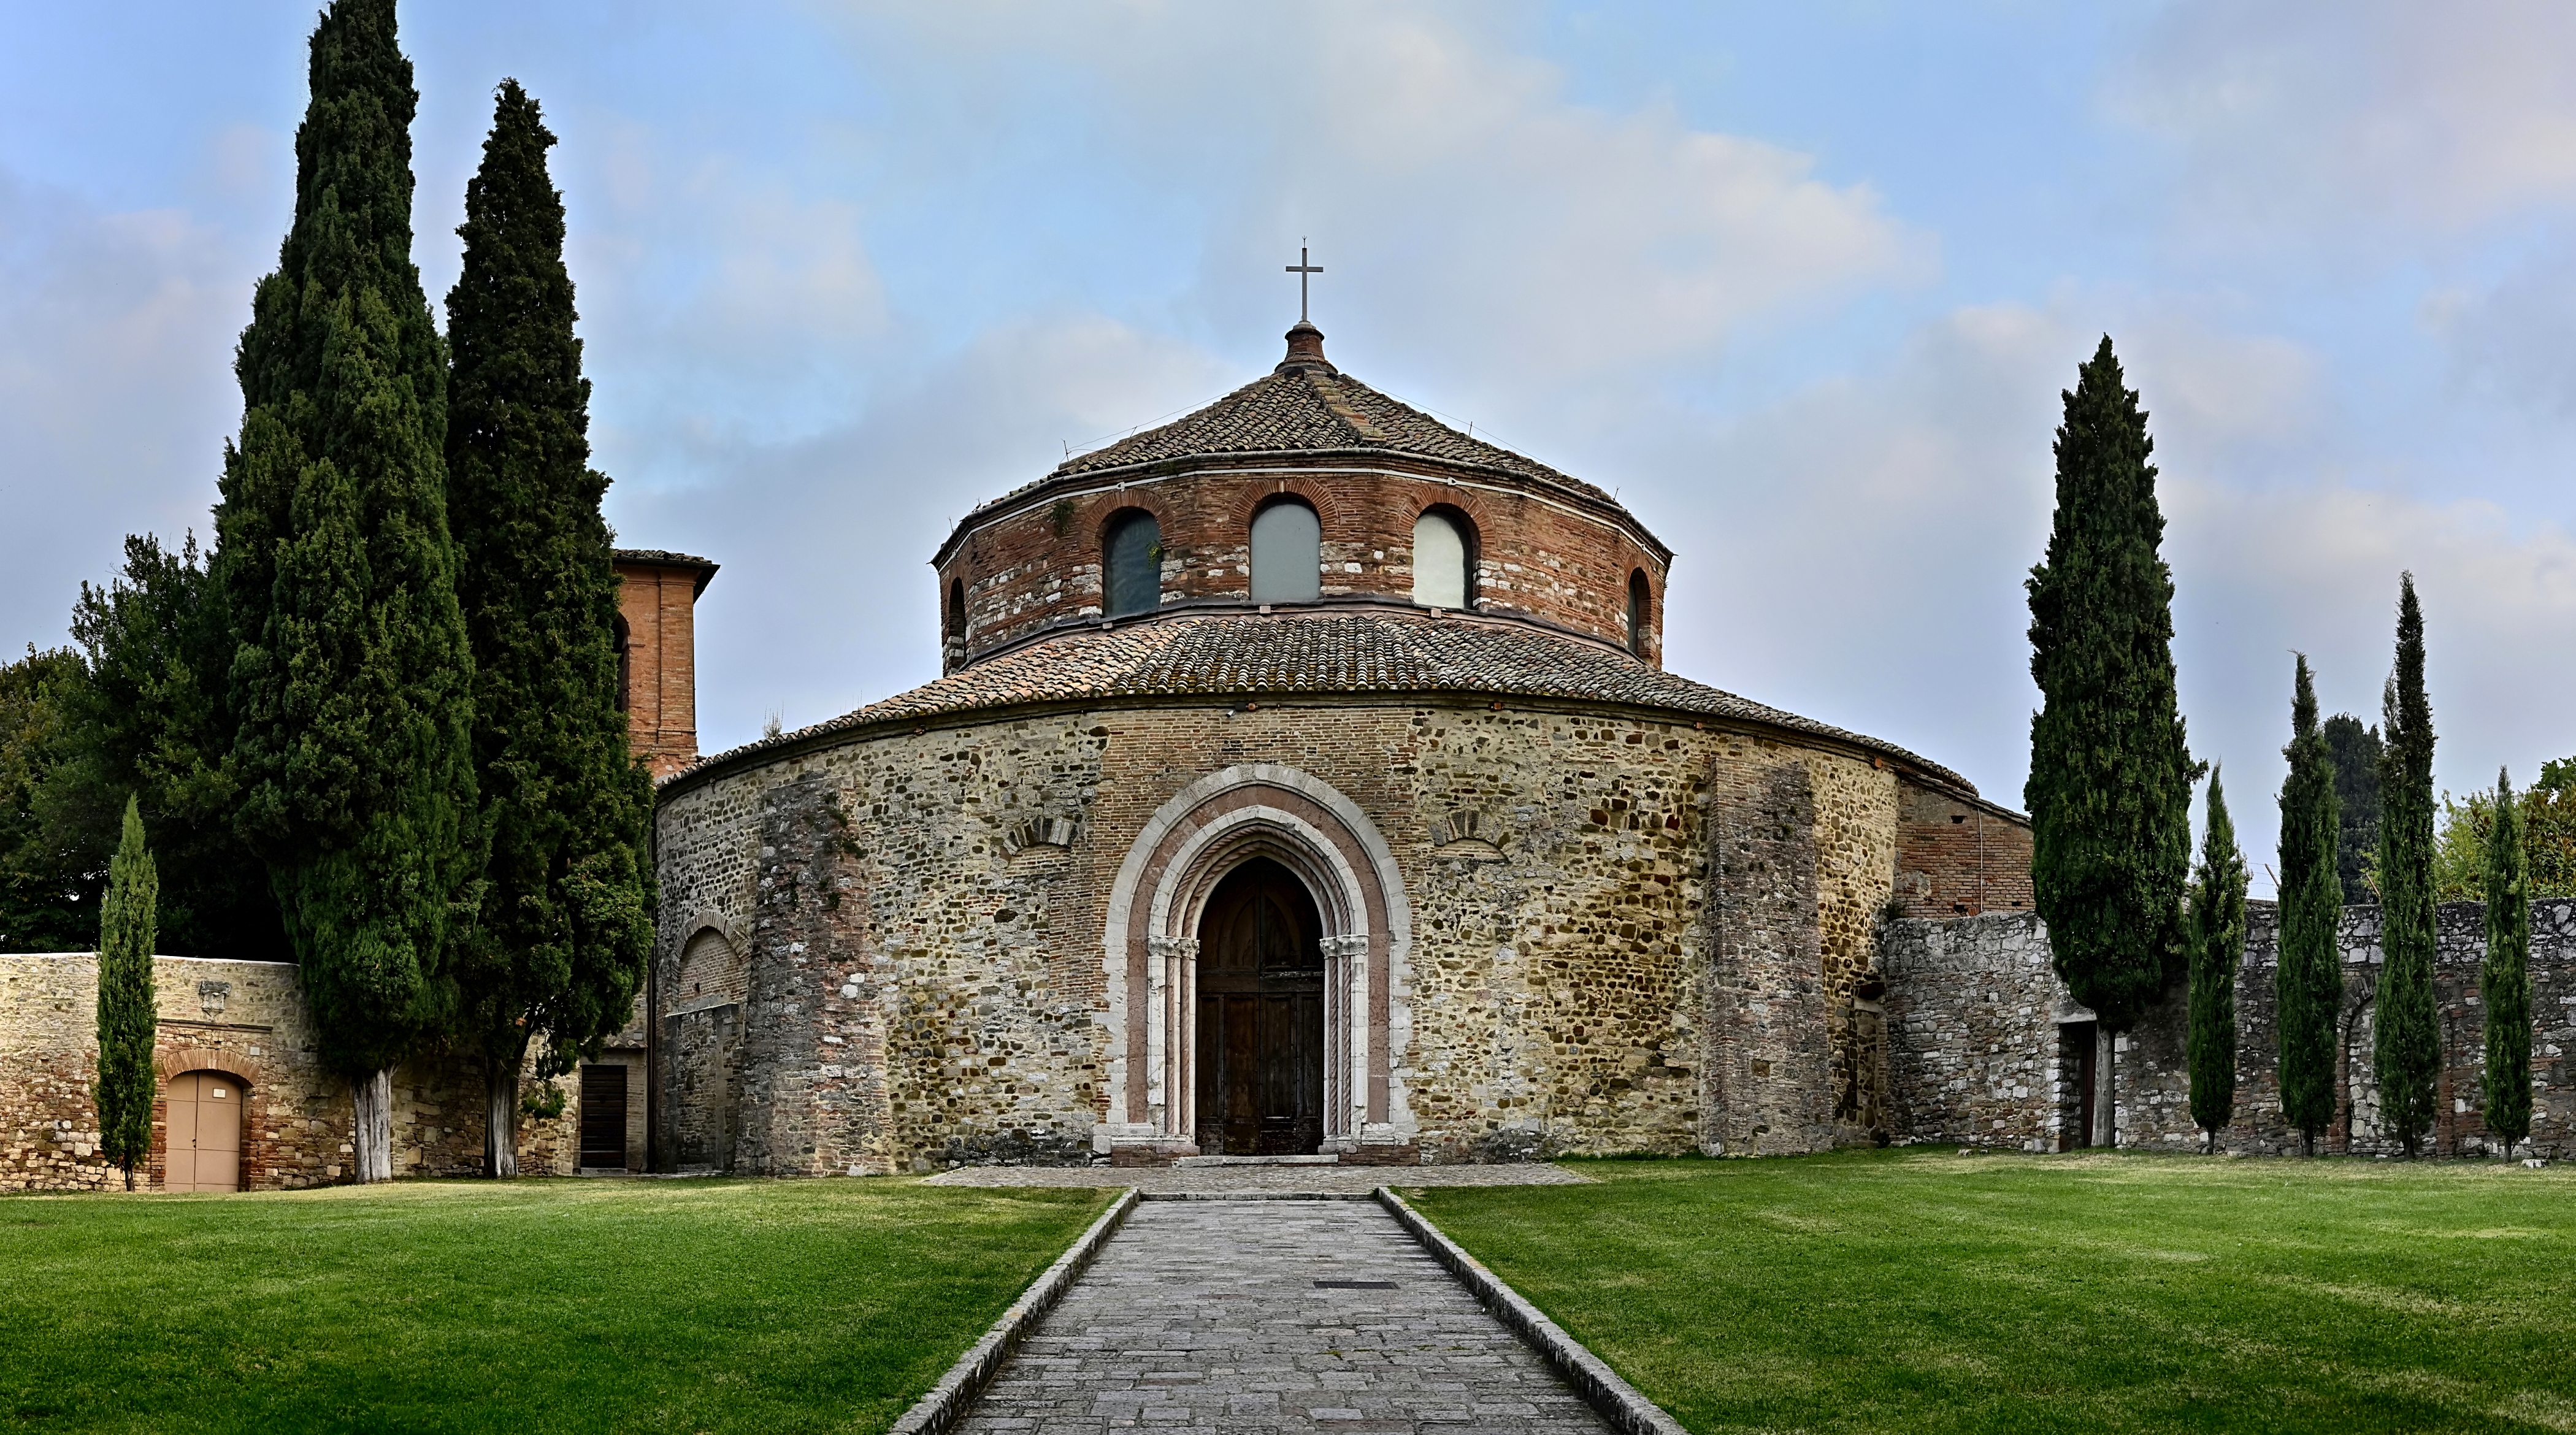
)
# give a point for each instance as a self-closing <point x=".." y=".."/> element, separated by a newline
<point x="1918" y="1290"/>
<point x="532" y="1306"/>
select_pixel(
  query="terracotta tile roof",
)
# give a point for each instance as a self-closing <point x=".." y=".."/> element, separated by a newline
<point x="1310" y="409"/>
<point x="1286" y="655"/>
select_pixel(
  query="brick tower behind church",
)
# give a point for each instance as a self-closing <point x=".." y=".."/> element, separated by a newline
<point x="657" y="655"/>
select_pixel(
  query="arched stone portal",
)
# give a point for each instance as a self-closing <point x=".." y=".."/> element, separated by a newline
<point x="1175" y="873"/>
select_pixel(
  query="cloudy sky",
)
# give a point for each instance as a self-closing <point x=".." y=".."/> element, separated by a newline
<point x="1801" y="283"/>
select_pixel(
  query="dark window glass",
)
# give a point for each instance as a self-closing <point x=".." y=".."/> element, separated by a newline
<point x="1133" y="560"/>
<point x="1638" y="601"/>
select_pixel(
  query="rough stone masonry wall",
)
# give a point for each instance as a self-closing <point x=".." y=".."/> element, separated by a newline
<point x="1972" y="1013"/>
<point x="2155" y="1081"/>
<point x="248" y="1018"/>
<point x="1975" y="1009"/>
<point x="1555" y="999"/>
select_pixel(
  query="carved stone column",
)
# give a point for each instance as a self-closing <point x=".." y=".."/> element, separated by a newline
<point x="1345" y="1040"/>
<point x="1171" y="1025"/>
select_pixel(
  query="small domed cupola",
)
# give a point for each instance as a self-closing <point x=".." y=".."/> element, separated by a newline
<point x="1305" y="351"/>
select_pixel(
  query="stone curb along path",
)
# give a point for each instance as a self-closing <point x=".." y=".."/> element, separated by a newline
<point x="1619" y="1402"/>
<point x="1588" y="1381"/>
<point x="956" y="1391"/>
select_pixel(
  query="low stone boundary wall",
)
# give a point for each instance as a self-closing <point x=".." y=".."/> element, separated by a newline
<point x="1974" y="1056"/>
<point x="247" y="1019"/>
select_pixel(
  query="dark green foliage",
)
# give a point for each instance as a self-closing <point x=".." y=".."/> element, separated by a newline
<point x="2504" y="980"/>
<point x="2217" y="948"/>
<point x="148" y="720"/>
<point x="566" y="922"/>
<point x="2110" y="780"/>
<point x="2407" y="1055"/>
<point x="128" y="923"/>
<point x="2309" y="977"/>
<point x="351" y="683"/>
<point x="2356" y="786"/>
<point x="49" y="888"/>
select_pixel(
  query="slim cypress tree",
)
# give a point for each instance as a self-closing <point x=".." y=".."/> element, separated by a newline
<point x="2110" y="779"/>
<point x="2356" y="785"/>
<point x="2504" y="979"/>
<point x="2407" y="1054"/>
<point x="2217" y="948"/>
<point x="566" y="924"/>
<point x="128" y="923"/>
<point x="351" y="681"/>
<point x="2308" y="979"/>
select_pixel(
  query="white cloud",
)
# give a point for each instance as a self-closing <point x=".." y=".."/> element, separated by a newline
<point x="116" y="391"/>
<point x="2308" y="115"/>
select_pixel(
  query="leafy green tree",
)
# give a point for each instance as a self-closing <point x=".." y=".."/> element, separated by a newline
<point x="128" y="924"/>
<point x="49" y="888"/>
<point x="2308" y="980"/>
<point x="148" y="720"/>
<point x="352" y="680"/>
<point x="2407" y="1053"/>
<point x="567" y="923"/>
<point x="2356" y="785"/>
<point x="2217" y="949"/>
<point x="2504" y="979"/>
<point x="2110" y="778"/>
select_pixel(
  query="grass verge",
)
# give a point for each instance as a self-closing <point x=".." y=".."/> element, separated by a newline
<point x="1921" y="1291"/>
<point x="532" y="1306"/>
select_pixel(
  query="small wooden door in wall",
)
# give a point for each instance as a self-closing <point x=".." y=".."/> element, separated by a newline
<point x="603" y="1116"/>
<point x="204" y="1126"/>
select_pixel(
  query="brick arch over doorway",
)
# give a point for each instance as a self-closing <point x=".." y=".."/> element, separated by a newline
<point x="1150" y="950"/>
<point x="203" y="1135"/>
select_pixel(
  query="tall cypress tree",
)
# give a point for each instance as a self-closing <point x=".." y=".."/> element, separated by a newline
<point x="2308" y="978"/>
<point x="128" y="923"/>
<point x="2110" y="779"/>
<point x="2217" y="948"/>
<point x="566" y="924"/>
<point x="2407" y="1054"/>
<point x="2356" y="785"/>
<point x="351" y="681"/>
<point x="2504" y="979"/>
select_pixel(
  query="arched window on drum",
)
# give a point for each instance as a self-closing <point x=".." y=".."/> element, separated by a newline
<point x="1131" y="564"/>
<point x="1640" y="611"/>
<point x="1287" y="554"/>
<point x="1444" y="560"/>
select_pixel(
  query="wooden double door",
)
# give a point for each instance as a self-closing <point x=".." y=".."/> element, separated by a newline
<point x="1261" y="1016"/>
<point x="202" y="1132"/>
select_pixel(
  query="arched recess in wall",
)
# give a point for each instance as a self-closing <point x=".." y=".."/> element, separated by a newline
<point x="711" y="973"/>
<point x="624" y="638"/>
<point x="1131" y="563"/>
<point x="1287" y="553"/>
<point x="955" y="623"/>
<point x="1444" y="559"/>
<point x="1641" y="601"/>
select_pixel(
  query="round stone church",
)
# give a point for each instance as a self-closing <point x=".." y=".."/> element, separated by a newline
<point x="1304" y="781"/>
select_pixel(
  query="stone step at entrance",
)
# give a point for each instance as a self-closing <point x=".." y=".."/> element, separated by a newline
<point x="1272" y="1315"/>
<point x="1327" y="1159"/>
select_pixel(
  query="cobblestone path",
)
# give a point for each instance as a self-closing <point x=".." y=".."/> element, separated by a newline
<point x="1215" y="1315"/>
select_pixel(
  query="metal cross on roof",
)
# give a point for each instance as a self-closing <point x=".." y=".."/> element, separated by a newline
<point x="1301" y="269"/>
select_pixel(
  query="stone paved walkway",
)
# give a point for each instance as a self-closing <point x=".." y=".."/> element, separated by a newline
<point x="1208" y="1315"/>
<point x="1226" y="1180"/>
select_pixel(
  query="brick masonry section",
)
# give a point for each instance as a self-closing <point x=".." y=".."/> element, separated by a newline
<point x="1536" y="554"/>
<point x="247" y="1019"/>
<point x="657" y="597"/>
<point x="1974" y="1014"/>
